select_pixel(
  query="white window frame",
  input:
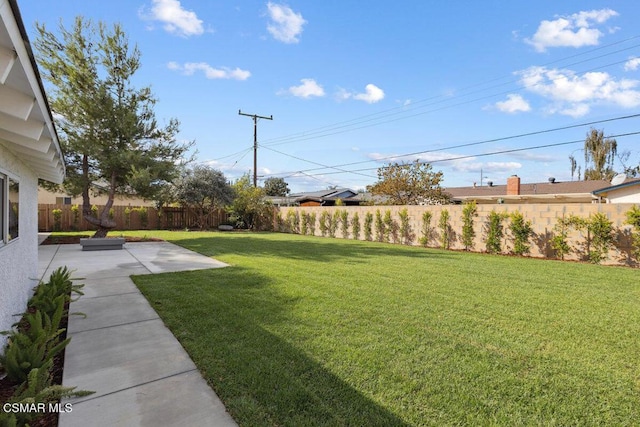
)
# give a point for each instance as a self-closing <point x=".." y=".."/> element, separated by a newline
<point x="4" y="206"/>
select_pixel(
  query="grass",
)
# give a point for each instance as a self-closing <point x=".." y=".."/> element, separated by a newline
<point x="310" y="331"/>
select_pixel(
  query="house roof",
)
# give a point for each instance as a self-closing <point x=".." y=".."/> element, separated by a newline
<point x="533" y="189"/>
<point x="26" y="122"/>
<point x="610" y="188"/>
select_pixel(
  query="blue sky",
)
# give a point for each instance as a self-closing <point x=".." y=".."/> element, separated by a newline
<point x="353" y="85"/>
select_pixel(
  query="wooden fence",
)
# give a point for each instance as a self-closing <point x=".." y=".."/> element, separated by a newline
<point x="69" y="218"/>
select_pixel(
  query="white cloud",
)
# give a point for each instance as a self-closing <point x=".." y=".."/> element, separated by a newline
<point x="190" y="68"/>
<point x="371" y="95"/>
<point x="573" y="94"/>
<point x="572" y="31"/>
<point x="632" y="64"/>
<point x="309" y="88"/>
<point x="285" y="25"/>
<point x="514" y="103"/>
<point x="176" y="20"/>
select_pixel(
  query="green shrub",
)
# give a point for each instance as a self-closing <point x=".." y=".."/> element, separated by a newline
<point x="312" y="224"/>
<point x="445" y="229"/>
<point x="75" y="212"/>
<point x="325" y="220"/>
<point x="355" y="226"/>
<point x="368" y="222"/>
<point x="494" y="231"/>
<point x="560" y="235"/>
<point x="469" y="211"/>
<point x="379" y="227"/>
<point x="127" y="217"/>
<point x="601" y="231"/>
<point x="390" y="229"/>
<point x="633" y="219"/>
<point x="304" y="223"/>
<point x="406" y="235"/>
<point x="427" y="229"/>
<point x="143" y="216"/>
<point x="344" y="223"/>
<point x="333" y="223"/>
<point x="521" y="232"/>
<point x="57" y="219"/>
<point x="293" y="220"/>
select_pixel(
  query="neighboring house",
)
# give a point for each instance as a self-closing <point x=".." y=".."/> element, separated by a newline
<point x="627" y="191"/>
<point x="514" y="191"/>
<point x="329" y="197"/>
<point x="29" y="150"/>
<point x="47" y="197"/>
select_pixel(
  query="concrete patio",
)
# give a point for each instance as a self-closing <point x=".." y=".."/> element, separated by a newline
<point x="140" y="373"/>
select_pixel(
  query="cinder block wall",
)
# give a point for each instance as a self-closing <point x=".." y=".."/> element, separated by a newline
<point x="542" y="216"/>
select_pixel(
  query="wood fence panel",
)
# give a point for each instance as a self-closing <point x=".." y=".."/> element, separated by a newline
<point x="126" y="218"/>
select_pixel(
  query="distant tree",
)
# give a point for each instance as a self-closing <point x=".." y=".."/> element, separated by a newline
<point x="276" y="187"/>
<point x="409" y="184"/>
<point x="107" y="127"/>
<point x="599" y="156"/>
<point x="249" y="209"/>
<point x="205" y="190"/>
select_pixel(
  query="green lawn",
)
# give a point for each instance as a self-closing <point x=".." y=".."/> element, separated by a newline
<point x="311" y="331"/>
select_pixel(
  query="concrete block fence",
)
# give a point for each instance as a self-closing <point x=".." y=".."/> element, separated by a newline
<point x="543" y="218"/>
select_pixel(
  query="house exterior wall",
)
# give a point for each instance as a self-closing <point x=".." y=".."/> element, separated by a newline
<point x="542" y="216"/>
<point x="16" y="284"/>
<point x="625" y="195"/>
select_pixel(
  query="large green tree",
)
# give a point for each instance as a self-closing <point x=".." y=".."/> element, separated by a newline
<point x="409" y="184"/>
<point x="107" y="126"/>
<point x="276" y="187"/>
<point x="249" y="209"/>
<point x="205" y="190"/>
<point x="599" y="156"/>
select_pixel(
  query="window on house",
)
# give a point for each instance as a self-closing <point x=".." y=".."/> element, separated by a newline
<point x="63" y="200"/>
<point x="3" y="213"/>
<point x="14" y="204"/>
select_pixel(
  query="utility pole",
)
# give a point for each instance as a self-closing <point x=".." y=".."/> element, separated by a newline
<point x="255" y="142"/>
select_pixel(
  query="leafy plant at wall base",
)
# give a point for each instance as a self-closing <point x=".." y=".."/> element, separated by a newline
<point x="112" y="213"/>
<point x="312" y="224"/>
<point x="293" y="220"/>
<point x="355" y="226"/>
<point x="57" y="219"/>
<point x="405" y="228"/>
<point x="304" y="223"/>
<point x="344" y="223"/>
<point x="37" y="388"/>
<point x="143" y="215"/>
<point x="325" y="218"/>
<point x="379" y="226"/>
<point x="602" y="237"/>
<point x="469" y="211"/>
<point x="521" y="231"/>
<point x="127" y="217"/>
<point x="75" y="211"/>
<point x="333" y="223"/>
<point x="427" y="229"/>
<point x="445" y="229"/>
<point x="633" y="219"/>
<point x="368" y="222"/>
<point x="494" y="232"/>
<point x="560" y="235"/>
<point x="390" y="228"/>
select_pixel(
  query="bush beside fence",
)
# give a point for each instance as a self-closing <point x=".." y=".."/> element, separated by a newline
<point x="408" y="227"/>
<point x="69" y="218"/>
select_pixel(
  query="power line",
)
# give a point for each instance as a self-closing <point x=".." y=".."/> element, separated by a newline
<point x="340" y="127"/>
<point x="486" y="141"/>
<point x="255" y="118"/>
<point x="493" y="153"/>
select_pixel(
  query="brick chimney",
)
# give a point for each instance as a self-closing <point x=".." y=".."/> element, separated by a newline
<point x="513" y="185"/>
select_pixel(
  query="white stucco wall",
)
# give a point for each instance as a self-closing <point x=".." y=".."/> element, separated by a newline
<point x="19" y="258"/>
<point x="629" y="194"/>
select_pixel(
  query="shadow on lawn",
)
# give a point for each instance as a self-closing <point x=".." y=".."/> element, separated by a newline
<point x="299" y="247"/>
<point x="228" y="324"/>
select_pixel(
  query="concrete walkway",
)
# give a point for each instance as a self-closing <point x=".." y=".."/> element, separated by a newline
<point x="141" y="374"/>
